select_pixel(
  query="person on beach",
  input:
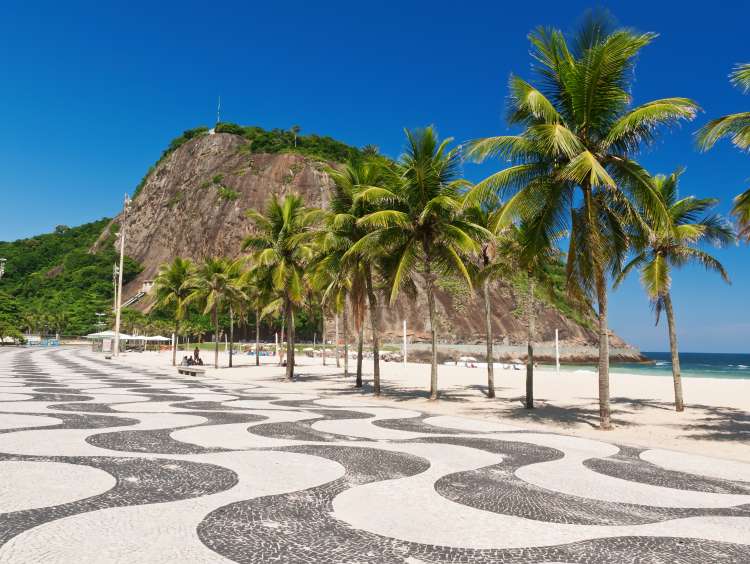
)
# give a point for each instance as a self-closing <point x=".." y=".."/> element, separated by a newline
<point x="196" y="355"/>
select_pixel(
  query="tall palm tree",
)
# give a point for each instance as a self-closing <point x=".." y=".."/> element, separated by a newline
<point x="572" y="164"/>
<point x="662" y="248"/>
<point x="257" y="286"/>
<point x="174" y="285"/>
<point x="532" y="253"/>
<point x="214" y="286"/>
<point x="295" y="129"/>
<point x="343" y="230"/>
<point x="737" y="128"/>
<point x="236" y="300"/>
<point x="419" y="228"/>
<point x="282" y="241"/>
<point x="489" y="216"/>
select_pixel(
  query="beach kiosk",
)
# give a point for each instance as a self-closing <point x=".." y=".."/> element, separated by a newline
<point x="103" y="340"/>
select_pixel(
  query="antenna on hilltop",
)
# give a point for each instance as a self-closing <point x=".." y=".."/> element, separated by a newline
<point x="218" y="118"/>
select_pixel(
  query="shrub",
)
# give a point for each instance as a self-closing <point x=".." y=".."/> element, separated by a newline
<point x="228" y="194"/>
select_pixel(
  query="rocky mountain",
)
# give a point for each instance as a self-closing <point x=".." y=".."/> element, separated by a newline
<point x="192" y="204"/>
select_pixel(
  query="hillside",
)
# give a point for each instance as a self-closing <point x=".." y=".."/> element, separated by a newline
<point x="192" y="204"/>
<point x="54" y="283"/>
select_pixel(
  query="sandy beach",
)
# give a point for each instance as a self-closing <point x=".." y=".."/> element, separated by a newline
<point x="716" y="421"/>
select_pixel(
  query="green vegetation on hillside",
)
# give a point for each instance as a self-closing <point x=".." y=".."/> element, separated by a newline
<point x="262" y="141"/>
<point x="285" y="141"/>
<point x="53" y="284"/>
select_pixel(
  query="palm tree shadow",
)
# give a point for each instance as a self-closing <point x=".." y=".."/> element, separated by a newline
<point x="719" y="424"/>
<point x="568" y="416"/>
<point x="638" y="404"/>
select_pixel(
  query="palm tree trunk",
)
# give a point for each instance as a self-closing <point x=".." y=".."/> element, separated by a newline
<point x="488" y="327"/>
<point x="374" y="323"/>
<point x="433" y="333"/>
<point x="174" y="344"/>
<point x="231" y="334"/>
<point x="216" y="337"/>
<point x="324" y="336"/>
<point x="346" y="338"/>
<point x="257" y="336"/>
<point x="281" y="341"/>
<point x="530" y="348"/>
<point x="605" y="422"/>
<point x="338" y="362"/>
<point x="290" y="341"/>
<point x="360" y="340"/>
<point x="679" y="404"/>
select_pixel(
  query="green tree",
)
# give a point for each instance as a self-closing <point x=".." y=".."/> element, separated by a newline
<point x="236" y="300"/>
<point x="356" y="272"/>
<point x="489" y="216"/>
<point x="214" y="286"/>
<point x="419" y="228"/>
<point x="174" y="285"/>
<point x="295" y="129"/>
<point x="660" y="248"/>
<point x="282" y="242"/>
<point x="736" y="127"/>
<point x="258" y="289"/>
<point x="573" y="162"/>
<point x="532" y="253"/>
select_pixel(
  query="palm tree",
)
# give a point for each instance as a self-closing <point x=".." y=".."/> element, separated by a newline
<point x="295" y="129"/>
<point x="488" y="216"/>
<point x="661" y="248"/>
<point x="257" y="286"/>
<point x="343" y="230"/>
<point x="173" y="287"/>
<point x="282" y="242"/>
<point x="574" y="157"/>
<point x="418" y="228"/>
<point x="215" y="285"/>
<point x="532" y="252"/>
<point x="236" y="300"/>
<point x="737" y="128"/>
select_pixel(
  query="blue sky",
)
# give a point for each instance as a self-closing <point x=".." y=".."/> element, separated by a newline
<point x="92" y="92"/>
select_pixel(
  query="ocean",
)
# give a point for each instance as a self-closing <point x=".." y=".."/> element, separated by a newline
<point x="703" y="365"/>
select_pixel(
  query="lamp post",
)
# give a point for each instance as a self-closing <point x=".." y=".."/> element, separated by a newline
<point x="2" y="266"/>
<point x="126" y="208"/>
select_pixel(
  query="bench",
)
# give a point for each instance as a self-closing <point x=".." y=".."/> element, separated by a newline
<point x="191" y="370"/>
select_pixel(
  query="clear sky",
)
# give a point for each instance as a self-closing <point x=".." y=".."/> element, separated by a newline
<point x="92" y="92"/>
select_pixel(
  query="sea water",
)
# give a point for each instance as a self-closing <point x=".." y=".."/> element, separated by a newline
<point x="701" y="365"/>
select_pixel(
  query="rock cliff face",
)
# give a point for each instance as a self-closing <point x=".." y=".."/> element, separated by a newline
<point x="193" y="205"/>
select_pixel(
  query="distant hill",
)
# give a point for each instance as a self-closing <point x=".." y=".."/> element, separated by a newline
<point x="193" y="202"/>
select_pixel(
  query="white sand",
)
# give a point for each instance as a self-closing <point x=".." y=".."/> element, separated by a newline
<point x="715" y="423"/>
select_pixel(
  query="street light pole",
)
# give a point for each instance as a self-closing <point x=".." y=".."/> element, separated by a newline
<point x="115" y="270"/>
<point x="99" y="320"/>
<point x="119" y="275"/>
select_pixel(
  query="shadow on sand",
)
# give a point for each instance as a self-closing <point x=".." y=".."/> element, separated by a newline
<point x="714" y="423"/>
